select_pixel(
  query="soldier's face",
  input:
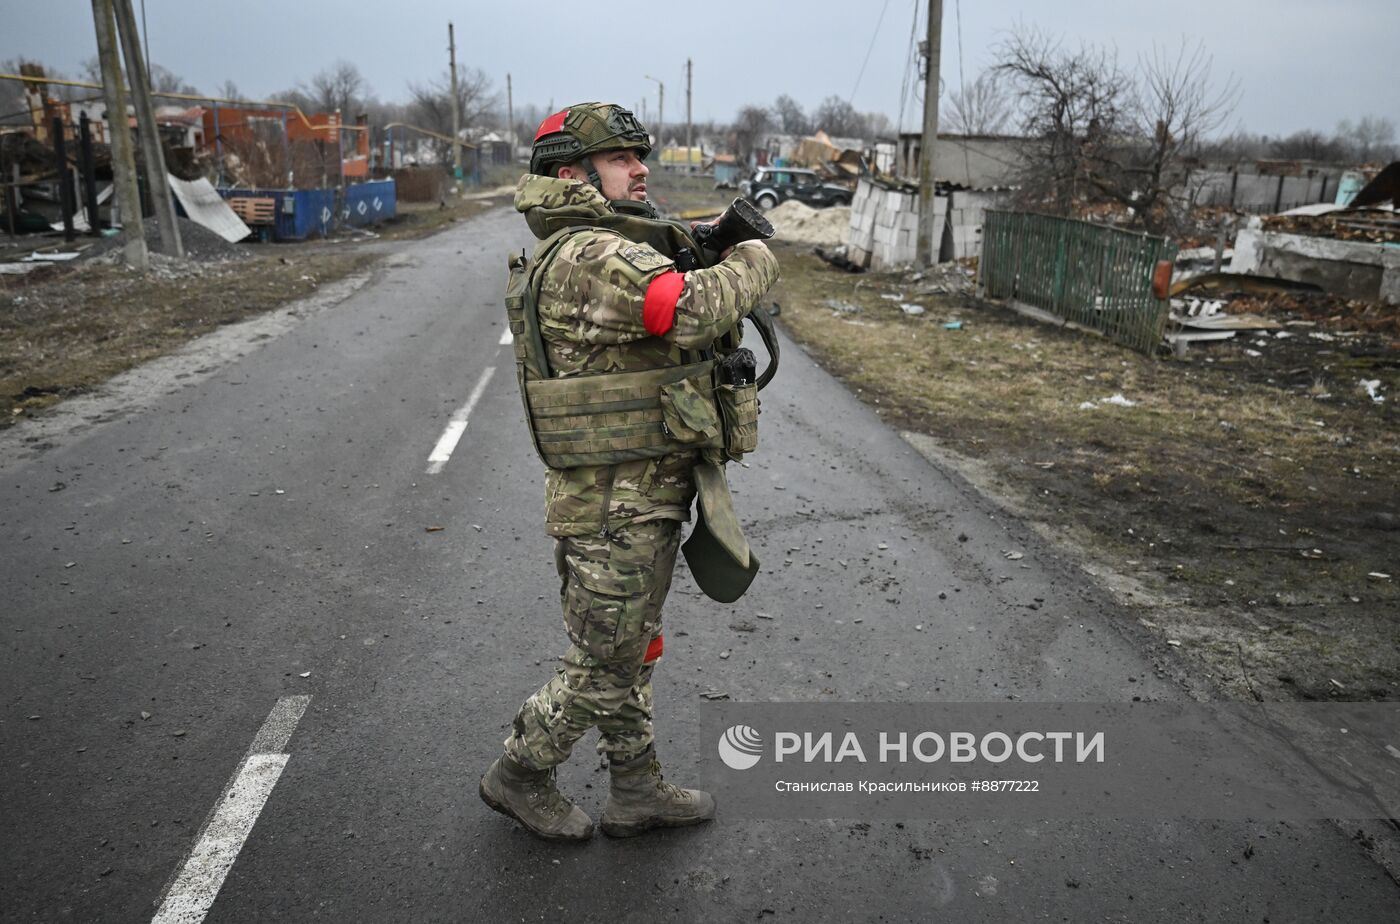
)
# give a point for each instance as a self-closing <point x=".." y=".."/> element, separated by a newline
<point x="623" y="175"/>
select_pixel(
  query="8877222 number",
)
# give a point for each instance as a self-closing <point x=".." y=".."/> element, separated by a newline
<point x="1004" y="785"/>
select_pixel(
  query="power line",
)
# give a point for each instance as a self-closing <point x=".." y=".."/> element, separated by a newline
<point x="962" y="86"/>
<point x="873" y="37"/>
<point x="909" y="66"/>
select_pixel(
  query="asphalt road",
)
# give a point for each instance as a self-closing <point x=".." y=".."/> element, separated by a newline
<point x="258" y="531"/>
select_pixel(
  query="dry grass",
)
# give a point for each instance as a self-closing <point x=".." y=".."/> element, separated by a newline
<point x="1252" y="510"/>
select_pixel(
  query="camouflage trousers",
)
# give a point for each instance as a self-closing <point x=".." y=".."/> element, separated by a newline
<point x="612" y="590"/>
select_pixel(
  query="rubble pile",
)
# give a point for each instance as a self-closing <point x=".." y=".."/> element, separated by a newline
<point x="1334" y="312"/>
<point x="1378" y="226"/>
<point x="944" y="279"/>
<point x="200" y="243"/>
<point x="799" y="223"/>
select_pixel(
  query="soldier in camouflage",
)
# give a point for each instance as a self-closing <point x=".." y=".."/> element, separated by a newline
<point x="611" y="304"/>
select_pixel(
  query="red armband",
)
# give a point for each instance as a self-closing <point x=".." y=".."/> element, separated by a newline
<point x="654" y="650"/>
<point x="659" y="306"/>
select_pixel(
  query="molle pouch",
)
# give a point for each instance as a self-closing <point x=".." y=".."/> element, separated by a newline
<point x="688" y="412"/>
<point x="515" y="316"/>
<point x="738" y="405"/>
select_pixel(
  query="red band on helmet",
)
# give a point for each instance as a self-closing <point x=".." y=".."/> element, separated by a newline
<point x="552" y="124"/>
<point x="654" y="650"/>
<point x="659" y="306"/>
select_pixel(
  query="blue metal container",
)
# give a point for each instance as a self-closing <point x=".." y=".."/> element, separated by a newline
<point x="305" y="213"/>
<point x="369" y="203"/>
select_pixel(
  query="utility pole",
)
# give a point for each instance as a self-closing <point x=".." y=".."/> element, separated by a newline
<point x="151" y="150"/>
<point x="687" y="112"/>
<point x="660" y="112"/>
<point x="456" y="106"/>
<point x="924" y="256"/>
<point x="123" y="159"/>
<point x="510" y="115"/>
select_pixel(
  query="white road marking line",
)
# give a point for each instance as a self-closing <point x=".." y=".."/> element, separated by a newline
<point x="457" y="425"/>
<point x="506" y="337"/>
<point x="192" y="893"/>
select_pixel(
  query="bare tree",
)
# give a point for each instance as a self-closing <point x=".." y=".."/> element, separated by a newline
<point x="1101" y="134"/>
<point x="430" y="105"/>
<point x="228" y="90"/>
<point x="750" y="125"/>
<point x="164" y="80"/>
<point x="837" y="117"/>
<point x="1175" y="106"/>
<point x="877" y="125"/>
<point x="1073" y="111"/>
<point x="340" y="86"/>
<point x="1371" y="137"/>
<point x="1309" y="145"/>
<point x="790" y="117"/>
<point x="980" y="108"/>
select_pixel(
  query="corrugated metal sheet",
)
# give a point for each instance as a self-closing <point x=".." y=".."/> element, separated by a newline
<point x="200" y="202"/>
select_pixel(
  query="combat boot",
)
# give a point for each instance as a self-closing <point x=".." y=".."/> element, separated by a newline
<point x="640" y="800"/>
<point x="531" y="798"/>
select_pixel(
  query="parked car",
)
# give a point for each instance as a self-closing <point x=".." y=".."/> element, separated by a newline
<point x="771" y="185"/>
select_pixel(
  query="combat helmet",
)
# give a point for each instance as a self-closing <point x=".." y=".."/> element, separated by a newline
<point x="586" y="128"/>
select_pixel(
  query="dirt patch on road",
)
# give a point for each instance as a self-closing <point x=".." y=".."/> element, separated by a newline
<point x="66" y="329"/>
<point x="1239" y="501"/>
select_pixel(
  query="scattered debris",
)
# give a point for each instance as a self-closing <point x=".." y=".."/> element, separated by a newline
<point x="714" y="695"/>
<point x="841" y="307"/>
<point x="911" y="309"/>
<point x="1116" y="400"/>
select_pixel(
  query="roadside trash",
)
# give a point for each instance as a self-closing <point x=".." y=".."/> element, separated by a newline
<point x="842" y="307"/>
<point x="1119" y="400"/>
<point x="714" y="695"/>
<point x="433" y="529"/>
<point x="1378" y="576"/>
<point x="837" y="258"/>
<point x="305" y="674"/>
<point x="1373" y="390"/>
<point x="1014" y="556"/>
<point x="911" y="309"/>
<point x="953" y="325"/>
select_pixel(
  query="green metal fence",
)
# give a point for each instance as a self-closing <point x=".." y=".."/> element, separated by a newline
<point x="1090" y="274"/>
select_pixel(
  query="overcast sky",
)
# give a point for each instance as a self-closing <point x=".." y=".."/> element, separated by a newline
<point x="1301" y="64"/>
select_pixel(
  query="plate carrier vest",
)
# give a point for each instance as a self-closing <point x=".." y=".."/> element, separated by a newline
<point x="611" y="417"/>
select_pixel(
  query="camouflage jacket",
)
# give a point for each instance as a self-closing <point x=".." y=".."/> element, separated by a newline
<point x="590" y="310"/>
